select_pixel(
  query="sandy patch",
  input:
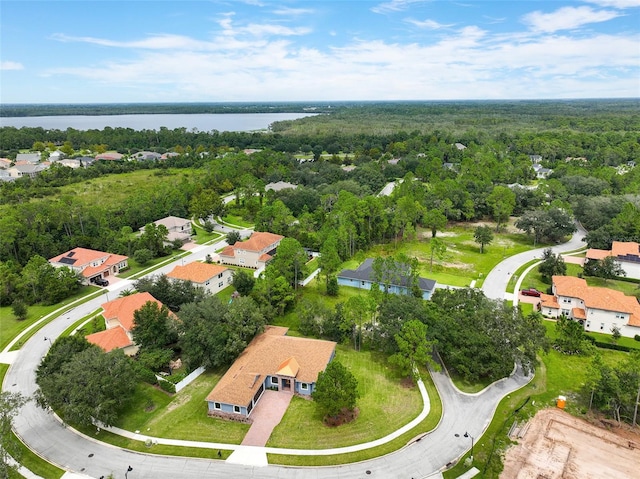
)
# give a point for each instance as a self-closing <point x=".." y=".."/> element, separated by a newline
<point x="557" y="445"/>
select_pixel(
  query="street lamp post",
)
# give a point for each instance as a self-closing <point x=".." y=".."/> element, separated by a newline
<point x="466" y="434"/>
<point x="129" y="469"/>
<point x="46" y="338"/>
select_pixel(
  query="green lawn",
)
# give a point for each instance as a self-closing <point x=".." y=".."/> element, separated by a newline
<point x="203" y="236"/>
<point x="135" y="268"/>
<point x="425" y="426"/>
<point x="11" y="327"/>
<point x="234" y="220"/>
<point x="384" y="406"/>
<point x="183" y="416"/>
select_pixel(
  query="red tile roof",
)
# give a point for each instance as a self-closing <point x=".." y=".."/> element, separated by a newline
<point x="598" y="298"/>
<point x="268" y="353"/>
<point x="81" y="258"/>
<point x="578" y="313"/>
<point x="123" y="308"/>
<point x="110" y="339"/>
<point x="197" y="272"/>
<point x="618" y="248"/>
<point x="549" y="301"/>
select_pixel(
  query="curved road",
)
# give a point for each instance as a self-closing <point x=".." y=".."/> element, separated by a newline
<point x="80" y="454"/>
<point x="495" y="284"/>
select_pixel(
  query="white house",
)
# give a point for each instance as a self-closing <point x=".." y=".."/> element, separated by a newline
<point x="598" y="309"/>
<point x="627" y="253"/>
<point x="212" y="278"/>
<point x="178" y="228"/>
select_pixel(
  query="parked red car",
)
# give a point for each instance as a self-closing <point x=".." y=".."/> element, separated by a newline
<point x="530" y="292"/>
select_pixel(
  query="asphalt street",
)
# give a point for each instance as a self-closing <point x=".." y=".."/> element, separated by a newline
<point x="462" y="413"/>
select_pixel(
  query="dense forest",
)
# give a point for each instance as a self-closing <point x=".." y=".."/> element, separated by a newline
<point x="459" y="162"/>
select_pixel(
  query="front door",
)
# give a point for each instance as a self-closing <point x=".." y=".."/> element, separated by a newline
<point x="286" y="384"/>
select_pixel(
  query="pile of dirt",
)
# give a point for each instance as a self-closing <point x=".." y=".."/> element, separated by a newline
<point x="344" y="417"/>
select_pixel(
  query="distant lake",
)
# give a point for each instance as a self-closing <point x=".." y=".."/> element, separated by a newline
<point x="200" y="121"/>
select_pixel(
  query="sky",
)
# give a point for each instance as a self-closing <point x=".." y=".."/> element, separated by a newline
<point x="71" y="51"/>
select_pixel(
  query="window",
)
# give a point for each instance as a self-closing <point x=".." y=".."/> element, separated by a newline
<point x="230" y="280"/>
<point x="220" y="284"/>
<point x="207" y="283"/>
<point x="565" y="312"/>
<point x="588" y="323"/>
<point x="236" y="409"/>
<point x="216" y="405"/>
<point x="304" y="386"/>
<point x="601" y="326"/>
<point x="241" y="260"/>
<point x="274" y="380"/>
<point x="620" y="316"/>
<point x="220" y="275"/>
<point x="566" y="300"/>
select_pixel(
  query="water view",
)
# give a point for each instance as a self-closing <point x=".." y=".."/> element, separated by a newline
<point x="200" y="122"/>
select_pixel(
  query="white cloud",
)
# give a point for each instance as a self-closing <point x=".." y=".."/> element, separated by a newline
<point x="394" y="6"/>
<point x="567" y="18"/>
<point x="616" y="3"/>
<point x="153" y="42"/>
<point x="467" y="64"/>
<point x="9" y="65"/>
<point x="428" y="24"/>
<point x="288" y="11"/>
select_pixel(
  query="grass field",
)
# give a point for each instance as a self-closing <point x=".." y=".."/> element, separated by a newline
<point x="462" y="262"/>
<point x="115" y="190"/>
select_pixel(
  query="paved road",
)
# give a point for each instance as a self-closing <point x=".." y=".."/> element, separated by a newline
<point x="71" y="451"/>
<point x="495" y="284"/>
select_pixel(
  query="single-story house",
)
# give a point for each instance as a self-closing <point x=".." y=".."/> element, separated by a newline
<point x="26" y="169"/>
<point x="363" y="278"/>
<point x="597" y="309"/>
<point x="179" y="228"/>
<point x="272" y="360"/>
<point x="5" y="176"/>
<point x="146" y="155"/>
<point x="91" y="263"/>
<point x="626" y="252"/>
<point x="460" y="146"/>
<point x="29" y="157"/>
<point x="254" y="252"/>
<point x="212" y="278"/>
<point x="118" y="316"/>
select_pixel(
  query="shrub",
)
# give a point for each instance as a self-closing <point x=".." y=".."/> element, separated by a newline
<point x="332" y="286"/>
<point x="19" y="309"/>
<point x="637" y="337"/>
<point x="614" y="346"/>
<point x="146" y="375"/>
<point x="167" y="386"/>
<point x="142" y="256"/>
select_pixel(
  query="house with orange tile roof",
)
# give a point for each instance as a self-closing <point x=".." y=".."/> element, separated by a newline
<point x="91" y="264"/>
<point x="598" y="309"/>
<point x="213" y="278"/>
<point x="626" y="252"/>
<point x="272" y="360"/>
<point x="254" y="252"/>
<point x="118" y="317"/>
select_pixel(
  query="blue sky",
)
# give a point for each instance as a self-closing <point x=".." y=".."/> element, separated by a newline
<point x="261" y="50"/>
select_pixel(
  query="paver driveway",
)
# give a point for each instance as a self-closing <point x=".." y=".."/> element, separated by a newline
<point x="266" y="415"/>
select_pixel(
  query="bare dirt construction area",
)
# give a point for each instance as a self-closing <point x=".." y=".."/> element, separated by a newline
<point x="557" y="445"/>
